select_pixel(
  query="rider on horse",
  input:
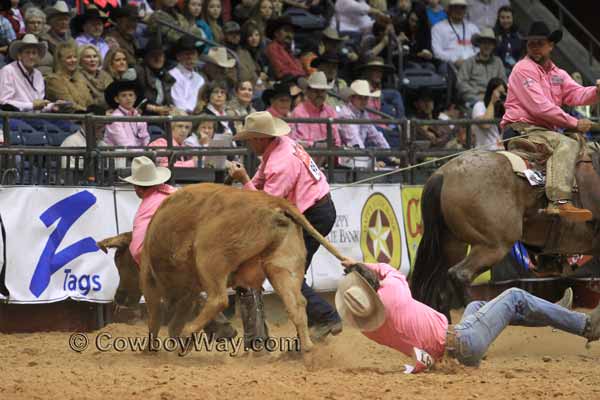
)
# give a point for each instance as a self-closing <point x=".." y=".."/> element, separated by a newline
<point x="536" y="91"/>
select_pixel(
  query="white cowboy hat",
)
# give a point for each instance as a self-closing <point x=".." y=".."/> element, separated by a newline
<point x="145" y="173"/>
<point x="361" y="87"/>
<point x="318" y="80"/>
<point x="485" y="34"/>
<point x="458" y="3"/>
<point x="358" y="304"/>
<point x="60" y="8"/>
<point x="28" y="40"/>
<point x="218" y="55"/>
<point x="262" y="124"/>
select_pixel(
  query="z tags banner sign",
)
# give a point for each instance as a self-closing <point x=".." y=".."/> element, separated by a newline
<point x="51" y="251"/>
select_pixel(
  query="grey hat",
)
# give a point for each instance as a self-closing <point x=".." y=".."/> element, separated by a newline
<point x="231" y="27"/>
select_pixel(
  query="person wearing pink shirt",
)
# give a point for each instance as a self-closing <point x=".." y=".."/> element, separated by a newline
<point x="376" y="299"/>
<point x="287" y="171"/>
<point x="280" y="98"/>
<point x="314" y="107"/>
<point x="180" y="130"/>
<point x="537" y="89"/>
<point x="123" y="96"/>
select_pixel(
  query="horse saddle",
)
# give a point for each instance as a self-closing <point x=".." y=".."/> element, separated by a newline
<point x="535" y="173"/>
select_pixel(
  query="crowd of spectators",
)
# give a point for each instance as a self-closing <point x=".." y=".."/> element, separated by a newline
<point x="294" y="58"/>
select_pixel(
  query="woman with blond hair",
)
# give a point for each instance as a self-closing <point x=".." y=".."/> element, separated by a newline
<point x="96" y="79"/>
<point x="66" y="82"/>
<point x="115" y="63"/>
<point x="180" y="130"/>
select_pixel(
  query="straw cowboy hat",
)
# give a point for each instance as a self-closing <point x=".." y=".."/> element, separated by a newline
<point x="332" y="34"/>
<point x="218" y="55"/>
<point x="318" y="81"/>
<point x="145" y="173"/>
<point x="376" y="62"/>
<point x="262" y="124"/>
<point x="361" y="87"/>
<point x="539" y="30"/>
<point x="462" y="3"/>
<point x="485" y="34"/>
<point x="60" y="8"/>
<point x="29" y="40"/>
<point x="358" y="304"/>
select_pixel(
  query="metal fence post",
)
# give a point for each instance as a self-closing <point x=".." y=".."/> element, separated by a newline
<point x="330" y="157"/>
<point x="90" y="143"/>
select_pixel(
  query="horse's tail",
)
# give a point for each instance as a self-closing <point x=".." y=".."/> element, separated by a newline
<point x="430" y="272"/>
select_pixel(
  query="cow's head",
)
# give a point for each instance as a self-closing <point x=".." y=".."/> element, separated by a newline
<point x="128" y="292"/>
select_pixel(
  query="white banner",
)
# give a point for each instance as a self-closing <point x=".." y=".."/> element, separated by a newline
<point x="51" y="251"/>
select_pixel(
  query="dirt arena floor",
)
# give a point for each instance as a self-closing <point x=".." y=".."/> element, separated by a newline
<point x="524" y="363"/>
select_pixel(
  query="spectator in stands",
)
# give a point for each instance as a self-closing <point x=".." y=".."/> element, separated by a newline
<point x="203" y="134"/>
<point x="435" y="12"/>
<point x="188" y="82"/>
<point x="9" y="9"/>
<point x="58" y="18"/>
<point x="510" y="44"/>
<point x="243" y="11"/>
<point x="416" y="34"/>
<point x="67" y="83"/>
<point x="241" y="104"/>
<point x="167" y="10"/>
<point x="279" y="53"/>
<point x="211" y="100"/>
<point x="334" y="44"/>
<point x="314" y="107"/>
<point x="279" y="99"/>
<point x="483" y="12"/>
<point x="78" y="139"/>
<point x="262" y="13"/>
<point x="252" y="59"/>
<point x="437" y="135"/>
<point x="23" y="87"/>
<point x="7" y="32"/>
<point x="125" y="24"/>
<point x="328" y="63"/>
<point x="154" y="78"/>
<point x="355" y="17"/>
<point x="219" y="65"/>
<point x="475" y="73"/>
<point x="232" y="37"/>
<point x="88" y="28"/>
<point x="492" y="107"/>
<point x="211" y="14"/>
<point x="377" y="42"/>
<point x="123" y="97"/>
<point x="115" y="63"/>
<point x="180" y="130"/>
<point x="451" y="38"/>
<point x="192" y="11"/>
<point x="361" y="136"/>
<point x="95" y="78"/>
<point x="35" y="21"/>
<point x="401" y="9"/>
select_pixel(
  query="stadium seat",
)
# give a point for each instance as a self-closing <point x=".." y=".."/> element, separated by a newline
<point x="33" y="138"/>
<point x="155" y="132"/>
<point x="55" y="135"/>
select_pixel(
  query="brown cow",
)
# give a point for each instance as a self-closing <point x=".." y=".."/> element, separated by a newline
<point x="209" y="237"/>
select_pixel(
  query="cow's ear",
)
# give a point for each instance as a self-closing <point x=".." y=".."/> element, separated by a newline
<point x="102" y="247"/>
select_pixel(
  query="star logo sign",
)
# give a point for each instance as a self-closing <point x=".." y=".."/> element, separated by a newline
<point x="380" y="238"/>
<point x="379" y="235"/>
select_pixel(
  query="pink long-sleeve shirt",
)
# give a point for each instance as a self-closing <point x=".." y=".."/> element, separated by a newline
<point x="153" y="198"/>
<point x="19" y="88"/>
<point x="126" y="133"/>
<point x="288" y="171"/>
<point x="164" y="161"/>
<point x="408" y="323"/>
<point x="535" y="95"/>
<point x="311" y="133"/>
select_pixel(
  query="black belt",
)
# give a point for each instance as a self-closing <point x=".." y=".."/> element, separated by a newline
<point x="323" y="200"/>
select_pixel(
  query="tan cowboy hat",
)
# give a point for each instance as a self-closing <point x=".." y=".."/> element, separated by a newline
<point x="29" y="40"/>
<point x="145" y="173"/>
<point x="218" y="55"/>
<point x="262" y="124"/>
<point x="485" y="34"/>
<point x="60" y="8"/>
<point x="358" y="304"/>
<point x="376" y="62"/>
<point x="361" y="87"/>
<point x="333" y="34"/>
<point x="458" y="3"/>
<point x="318" y="80"/>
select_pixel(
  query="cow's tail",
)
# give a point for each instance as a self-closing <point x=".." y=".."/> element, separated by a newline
<point x="430" y="272"/>
<point x="118" y="242"/>
<point x="294" y="214"/>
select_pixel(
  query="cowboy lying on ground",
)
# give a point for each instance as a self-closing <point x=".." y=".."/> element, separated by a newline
<point x="376" y="299"/>
<point x="536" y="91"/>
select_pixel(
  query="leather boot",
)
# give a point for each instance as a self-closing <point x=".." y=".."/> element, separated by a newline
<point x="567" y="300"/>
<point x="567" y="210"/>
<point x="592" y="329"/>
<point x="253" y="316"/>
<point x="219" y="327"/>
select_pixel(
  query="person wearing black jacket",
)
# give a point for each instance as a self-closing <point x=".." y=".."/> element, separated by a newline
<point x="155" y="80"/>
<point x="510" y="44"/>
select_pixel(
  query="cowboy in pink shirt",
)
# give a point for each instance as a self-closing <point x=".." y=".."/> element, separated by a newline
<point x="288" y="171"/>
<point x="536" y="91"/>
<point x="123" y="96"/>
<point x="314" y="107"/>
<point x="376" y="299"/>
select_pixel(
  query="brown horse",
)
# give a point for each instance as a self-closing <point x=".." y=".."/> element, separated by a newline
<point x="476" y="199"/>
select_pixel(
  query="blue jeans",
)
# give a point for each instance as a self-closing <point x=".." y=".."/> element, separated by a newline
<point x="483" y="321"/>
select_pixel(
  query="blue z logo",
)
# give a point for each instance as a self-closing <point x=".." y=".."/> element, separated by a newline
<point x="67" y="211"/>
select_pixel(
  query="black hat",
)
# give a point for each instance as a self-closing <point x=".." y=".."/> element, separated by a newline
<point x="275" y="24"/>
<point x="279" y="89"/>
<point x="185" y="43"/>
<point x="90" y="13"/>
<point x="128" y="11"/>
<point x="119" y="86"/>
<point x="539" y="30"/>
<point x="154" y="44"/>
<point x="324" y="59"/>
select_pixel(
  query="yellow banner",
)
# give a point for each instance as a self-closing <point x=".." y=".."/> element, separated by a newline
<point x="413" y="225"/>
